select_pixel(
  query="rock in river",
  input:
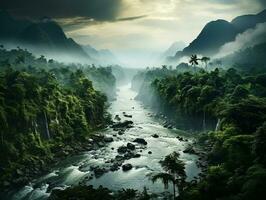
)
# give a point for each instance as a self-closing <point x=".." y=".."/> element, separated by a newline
<point x="121" y="132"/>
<point x="122" y="149"/>
<point x="108" y="139"/>
<point x="130" y="146"/>
<point x="140" y="141"/>
<point x="124" y="124"/>
<point x="155" y="136"/>
<point x="127" y="167"/>
<point x="189" y="149"/>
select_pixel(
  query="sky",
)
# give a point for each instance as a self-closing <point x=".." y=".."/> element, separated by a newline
<point x="135" y="30"/>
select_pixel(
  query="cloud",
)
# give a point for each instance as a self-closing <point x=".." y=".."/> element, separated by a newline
<point x="245" y="40"/>
<point x="130" y="26"/>
<point x="70" y="24"/>
<point x="131" y="18"/>
<point x="99" y="10"/>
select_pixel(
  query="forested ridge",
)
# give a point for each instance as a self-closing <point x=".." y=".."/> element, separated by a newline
<point x="228" y="108"/>
<point x="47" y="110"/>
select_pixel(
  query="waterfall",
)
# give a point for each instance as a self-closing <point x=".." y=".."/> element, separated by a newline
<point x="46" y="126"/>
<point x="218" y="125"/>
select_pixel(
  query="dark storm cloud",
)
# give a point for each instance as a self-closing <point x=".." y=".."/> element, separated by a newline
<point x="99" y="10"/>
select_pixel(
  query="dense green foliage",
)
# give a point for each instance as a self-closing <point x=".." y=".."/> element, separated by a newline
<point x="203" y="98"/>
<point x="143" y="78"/>
<point x="236" y="157"/>
<point x="22" y="60"/>
<point x="44" y="110"/>
<point x="89" y="193"/>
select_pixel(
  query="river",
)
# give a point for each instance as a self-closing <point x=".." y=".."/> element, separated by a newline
<point x="67" y="173"/>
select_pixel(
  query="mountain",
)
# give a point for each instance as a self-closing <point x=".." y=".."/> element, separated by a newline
<point x="90" y="50"/>
<point x="212" y="37"/>
<point x="43" y="37"/>
<point x="103" y="56"/>
<point x="245" y="22"/>
<point x="171" y="51"/>
<point x="217" y="33"/>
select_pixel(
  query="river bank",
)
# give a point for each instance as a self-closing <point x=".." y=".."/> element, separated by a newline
<point x="124" y="158"/>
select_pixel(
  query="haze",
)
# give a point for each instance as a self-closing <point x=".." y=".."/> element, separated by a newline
<point x="135" y="30"/>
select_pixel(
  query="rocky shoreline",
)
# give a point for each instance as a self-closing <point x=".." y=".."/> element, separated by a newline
<point x="29" y="171"/>
<point x="132" y="149"/>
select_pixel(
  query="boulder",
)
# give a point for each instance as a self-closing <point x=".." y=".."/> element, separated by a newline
<point x="121" y="132"/>
<point x="128" y="155"/>
<point x="108" y="139"/>
<point x="114" y="167"/>
<point x="131" y="146"/>
<point x="140" y="141"/>
<point x="125" y="124"/>
<point x="155" y="136"/>
<point x="136" y="155"/>
<point x="98" y="172"/>
<point x="189" y="149"/>
<point x="117" y="118"/>
<point x="149" y="152"/>
<point x="119" y="158"/>
<point x="127" y="167"/>
<point x="122" y="149"/>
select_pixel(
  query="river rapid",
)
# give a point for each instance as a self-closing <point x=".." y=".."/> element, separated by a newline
<point x="68" y="172"/>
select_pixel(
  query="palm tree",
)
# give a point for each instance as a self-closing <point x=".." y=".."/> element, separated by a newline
<point x="194" y="60"/>
<point x="174" y="172"/>
<point x="205" y="60"/>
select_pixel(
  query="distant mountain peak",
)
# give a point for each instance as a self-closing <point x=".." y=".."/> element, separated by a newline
<point x="219" y="32"/>
<point x="44" y="36"/>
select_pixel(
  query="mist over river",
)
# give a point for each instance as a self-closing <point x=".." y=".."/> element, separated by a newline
<point x="76" y="169"/>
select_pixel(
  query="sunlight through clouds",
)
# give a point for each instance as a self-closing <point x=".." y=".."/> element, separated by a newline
<point x="161" y="23"/>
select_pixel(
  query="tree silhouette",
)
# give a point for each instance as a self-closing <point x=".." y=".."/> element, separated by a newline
<point x="174" y="172"/>
<point x="205" y="60"/>
<point x="194" y="60"/>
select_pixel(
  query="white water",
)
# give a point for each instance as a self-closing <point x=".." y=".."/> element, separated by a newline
<point x="68" y="173"/>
